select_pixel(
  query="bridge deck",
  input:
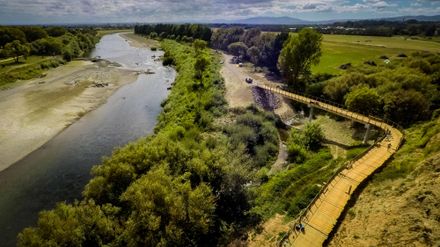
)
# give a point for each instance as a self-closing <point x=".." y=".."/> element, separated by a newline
<point x="323" y="213"/>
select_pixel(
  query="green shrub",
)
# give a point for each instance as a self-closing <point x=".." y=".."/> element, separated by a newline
<point x="257" y="133"/>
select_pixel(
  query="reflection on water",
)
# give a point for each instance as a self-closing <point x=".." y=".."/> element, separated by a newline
<point x="59" y="170"/>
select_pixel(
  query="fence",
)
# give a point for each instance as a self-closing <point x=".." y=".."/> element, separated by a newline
<point x="326" y="105"/>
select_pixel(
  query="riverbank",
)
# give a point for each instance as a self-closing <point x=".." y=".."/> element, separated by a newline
<point x="38" y="109"/>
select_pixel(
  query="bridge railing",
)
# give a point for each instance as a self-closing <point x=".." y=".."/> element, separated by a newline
<point x="341" y="110"/>
<point x="338" y="107"/>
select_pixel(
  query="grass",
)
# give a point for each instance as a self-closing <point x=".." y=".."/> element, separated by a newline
<point x="342" y="49"/>
<point x="421" y="142"/>
<point x="292" y="190"/>
<point x="33" y="67"/>
<point x="112" y="31"/>
<point x="149" y="42"/>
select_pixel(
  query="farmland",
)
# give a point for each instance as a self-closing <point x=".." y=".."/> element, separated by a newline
<point x="342" y="49"/>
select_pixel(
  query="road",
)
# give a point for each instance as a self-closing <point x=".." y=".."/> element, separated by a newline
<point x="238" y="92"/>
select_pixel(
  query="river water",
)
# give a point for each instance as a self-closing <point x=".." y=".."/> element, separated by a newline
<point x="59" y="169"/>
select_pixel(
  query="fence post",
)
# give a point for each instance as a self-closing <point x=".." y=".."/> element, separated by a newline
<point x="367" y="133"/>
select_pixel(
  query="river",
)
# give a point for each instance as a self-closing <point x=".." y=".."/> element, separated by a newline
<point x="59" y="169"/>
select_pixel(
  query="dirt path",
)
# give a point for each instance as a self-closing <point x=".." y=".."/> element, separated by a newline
<point x="281" y="161"/>
<point x="238" y="92"/>
<point x="38" y="109"/>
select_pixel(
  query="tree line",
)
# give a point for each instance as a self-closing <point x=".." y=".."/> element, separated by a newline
<point x="383" y="28"/>
<point x="185" y="32"/>
<point x="262" y="49"/>
<point x="46" y="41"/>
<point x="253" y="45"/>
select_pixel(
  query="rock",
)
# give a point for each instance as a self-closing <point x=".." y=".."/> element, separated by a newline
<point x="100" y="84"/>
<point x="370" y="62"/>
<point x="266" y="99"/>
<point x="345" y="66"/>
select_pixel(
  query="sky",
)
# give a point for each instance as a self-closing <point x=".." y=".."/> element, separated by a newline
<point x="112" y="11"/>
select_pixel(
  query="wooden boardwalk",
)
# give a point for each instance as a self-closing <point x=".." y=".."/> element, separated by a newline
<point x="322" y="214"/>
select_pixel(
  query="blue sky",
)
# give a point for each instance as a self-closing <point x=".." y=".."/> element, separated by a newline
<point x="89" y="11"/>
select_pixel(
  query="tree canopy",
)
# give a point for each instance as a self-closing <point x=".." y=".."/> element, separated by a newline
<point x="364" y="100"/>
<point x="299" y="53"/>
<point x="16" y="49"/>
<point x="238" y="49"/>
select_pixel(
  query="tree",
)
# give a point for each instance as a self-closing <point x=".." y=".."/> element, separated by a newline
<point x="34" y="33"/>
<point x="199" y="45"/>
<point x="238" y="49"/>
<point x="299" y="53"/>
<point x="56" y="31"/>
<point x="9" y="34"/>
<point x="81" y="224"/>
<point x="312" y="136"/>
<point x="338" y="87"/>
<point x="200" y="66"/>
<point x="364" y="100"/>
<point x="309" y="138"/>
<point x="251" y="36"/>
<point x="405" y="106"/>
<point x="17" y="49"/>
<point x="167" y="211"/>
<point x="49" y="46"/>
<point x="254" y="54"/>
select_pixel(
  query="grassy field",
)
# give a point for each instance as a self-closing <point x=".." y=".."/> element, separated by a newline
<point x="342" y="49"/>
<point x="142" y="40"/>
<point x="33" y="67"/>
<point x="111" y="31"/>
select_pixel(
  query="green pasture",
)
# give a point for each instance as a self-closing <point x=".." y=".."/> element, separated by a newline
<point x="342" y="49"/>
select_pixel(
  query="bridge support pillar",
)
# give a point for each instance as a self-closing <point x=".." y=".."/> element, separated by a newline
<point x="367" y="133"/>
<point x="311" y="113"/>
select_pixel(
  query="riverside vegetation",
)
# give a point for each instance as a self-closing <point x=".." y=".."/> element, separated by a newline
<point x="202" y="178"/>
<point x="183" y="186"/>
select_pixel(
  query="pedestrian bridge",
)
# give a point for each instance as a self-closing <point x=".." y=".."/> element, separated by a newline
<point x="317" y="221"/>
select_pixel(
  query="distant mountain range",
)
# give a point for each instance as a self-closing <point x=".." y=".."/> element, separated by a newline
<point x="295" y="21"/>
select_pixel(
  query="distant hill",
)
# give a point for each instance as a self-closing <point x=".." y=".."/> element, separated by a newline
<point x="266" y="20"/>
<point x="419" y="18"/>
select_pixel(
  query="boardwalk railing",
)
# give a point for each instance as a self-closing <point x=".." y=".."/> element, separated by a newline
<point x="350" y="175"/>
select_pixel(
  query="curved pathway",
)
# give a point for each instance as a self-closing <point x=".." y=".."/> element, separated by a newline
<point x="323" y="212"/>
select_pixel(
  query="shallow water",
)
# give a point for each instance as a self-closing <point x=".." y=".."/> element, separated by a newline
<point x="59" y="169"/>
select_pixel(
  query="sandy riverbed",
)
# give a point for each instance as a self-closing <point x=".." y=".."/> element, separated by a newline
<point x="38" y="109"/>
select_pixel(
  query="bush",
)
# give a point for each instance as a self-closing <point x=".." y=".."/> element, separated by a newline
<point x="168" y="60"/>
<point x="257" y="134"/>
<point x="312" y="136"/>
<point x="337" y="88"/>
<point x="406" y="107"/>
<point x="364" y="100"/>
<point x="296" y="153"/>
<point x="420" y="64"/>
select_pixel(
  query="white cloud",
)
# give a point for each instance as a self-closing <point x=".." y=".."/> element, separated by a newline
<point x="177" y="10"/>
